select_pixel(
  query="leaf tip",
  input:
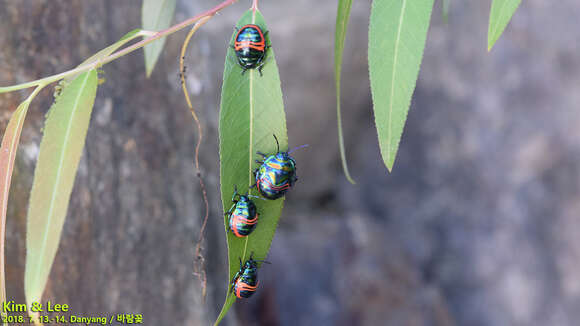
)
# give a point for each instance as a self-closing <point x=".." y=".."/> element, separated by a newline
<point x="148" y="69"/>
<point x="490" y="43"/>
<point x="349" y="178"/>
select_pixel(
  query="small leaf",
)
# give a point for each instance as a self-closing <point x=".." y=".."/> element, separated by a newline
<point x="156" y="15"/>
<point x="445" y="10"/>
<point x="252" y="111"/>
<point x="7" y="155"/>
<point x="60" y="152"/>
<point x="342" y="16"/>
<point x="397" y="33"/>
<point x="499" y="16"/>
<point x="107" y="51"/>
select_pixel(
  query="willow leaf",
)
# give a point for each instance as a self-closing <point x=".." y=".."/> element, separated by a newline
<point x="7" y="155"/>
<point x="156" y="15"/>
<point x="397" y="33"/>
<point x="251" y="112"/>
<point x="60" y="151"/>
<point x="499" y="16"/>
<point x="342" y="16"/>
<point x="445" y="10"/>
<point x="108" y="50"/>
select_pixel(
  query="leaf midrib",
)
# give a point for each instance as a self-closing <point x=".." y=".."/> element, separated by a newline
<point x="401" y="19"/>
<point x="251" y="147"/>
<point x="59" y="171"/>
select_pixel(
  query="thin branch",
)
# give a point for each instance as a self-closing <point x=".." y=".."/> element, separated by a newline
<point x="199" y="266"/>
<point x="116" y="55"/>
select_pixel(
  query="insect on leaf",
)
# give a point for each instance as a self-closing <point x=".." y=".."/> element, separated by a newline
<point x="251" y="112"/>
<point x="342" y="16"/>
<point x="60" y="152"/>
<point x="499" y="16"/>
<point x="397" y="33"/>
<point x="156" y="15"/>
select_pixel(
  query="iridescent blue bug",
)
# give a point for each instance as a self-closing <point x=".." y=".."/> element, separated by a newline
<point x="245" y="282"/>
<point x="243" y="215"/>
<point x="276" y="174"/>
<point x="250" y="47"/>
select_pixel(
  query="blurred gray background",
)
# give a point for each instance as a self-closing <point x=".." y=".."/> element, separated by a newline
<point x="476" y="225"/>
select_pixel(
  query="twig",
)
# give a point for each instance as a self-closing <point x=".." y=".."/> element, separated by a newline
<point x="199" y="267"/>
<point x="116" y="55"/>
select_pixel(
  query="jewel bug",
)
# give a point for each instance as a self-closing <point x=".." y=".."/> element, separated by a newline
<point x="276" y="174"/>
<point x="243" y="215"/>
<point x="245" y="282"/>
<point x="250" y="47"/>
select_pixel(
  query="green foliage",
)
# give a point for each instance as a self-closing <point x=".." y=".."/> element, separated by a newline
<point x="445" y="10"/>
<point x="60" y="152"/>
<point x="499" y="16"/>
<point x="7" y="155"/>
<point x="342" y="16"/>
<point x="156" y="15"/>
<point x="252" y="111"/>
<point x="107" y="51"/>
<point x="397" y="33"/>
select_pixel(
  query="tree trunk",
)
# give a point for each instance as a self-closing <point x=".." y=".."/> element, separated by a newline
<point x="135" y="212"/>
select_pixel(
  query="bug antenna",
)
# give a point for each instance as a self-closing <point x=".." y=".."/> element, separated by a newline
<point x="277" y="143"/>
<point x="299" y="147"/>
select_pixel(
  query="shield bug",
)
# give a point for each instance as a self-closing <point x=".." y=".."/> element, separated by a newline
<point x="276" y="174"/>
<point x="245" y="282"/>
<point x="250" y="47"/>
<point x="242" y="216"/>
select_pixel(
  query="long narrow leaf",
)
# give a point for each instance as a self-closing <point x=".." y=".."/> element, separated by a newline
<point x="156" y="15"/>
<point x="60" y="152"/>
<point x="397" y="33"/>
<point x="445" y="10"/>
<point x="499" y="16"/>
<point x="108" y="50"/>
<point x="7" y="155"/>
<point x="342" y="16"/>
<point x="252" y="111"/>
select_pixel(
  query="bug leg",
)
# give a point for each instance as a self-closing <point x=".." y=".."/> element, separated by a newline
<point x="259" y="162"/>
<point x="233" y="47"/>
<point x="235" y="193"/>
<point x="262" y="154"/>
<point x="243" y="71"/>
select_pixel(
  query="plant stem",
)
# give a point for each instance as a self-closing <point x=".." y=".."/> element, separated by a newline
<point x="199" y="265"/>
<point x="116" y="55"/>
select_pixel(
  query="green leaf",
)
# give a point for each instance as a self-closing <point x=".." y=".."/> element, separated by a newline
<point x="342" y="15"/>
<point x="251" y="112"/>
<point x="156" y="15"/>
<point x="104" y="53"/>
<point x="60" y="151"/>
<point x="397" y="33"/>
<point x="445" y="10"/>
<point x="108" y="50"/>
<point x="499" y="16"/>
<point x="7" y="155"/>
